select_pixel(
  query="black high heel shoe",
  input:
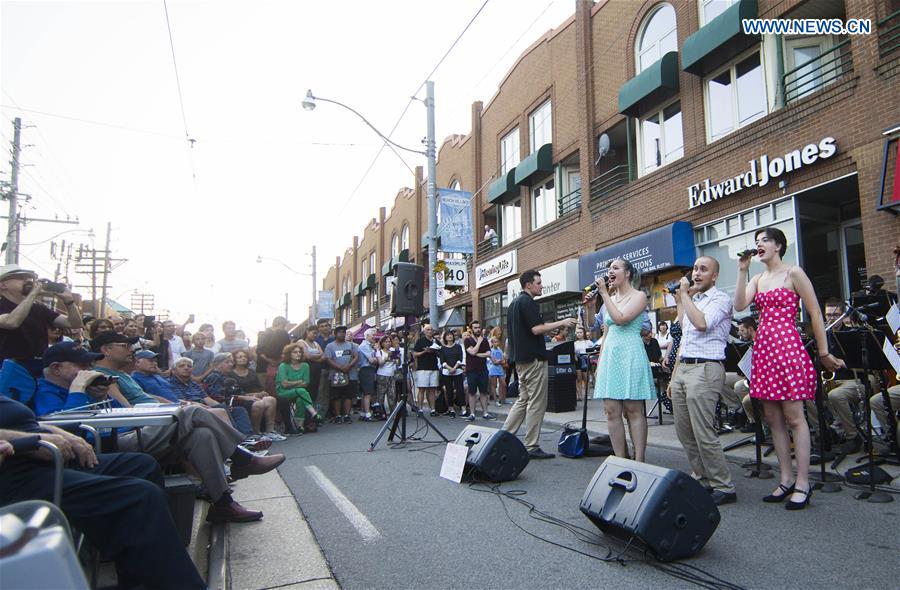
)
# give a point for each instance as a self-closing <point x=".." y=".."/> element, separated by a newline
<point x="799" y="505"/>
<point x="786" y="491"/>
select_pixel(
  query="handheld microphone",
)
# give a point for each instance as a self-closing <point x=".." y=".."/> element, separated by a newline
<point x="747" y="252"/>
<point x="592" y="288"/>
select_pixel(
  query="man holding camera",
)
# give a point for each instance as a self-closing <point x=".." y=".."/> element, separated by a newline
<point x="24" y="320"/>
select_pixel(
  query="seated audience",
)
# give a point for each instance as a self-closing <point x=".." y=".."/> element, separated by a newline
<point x="290" y="385"/>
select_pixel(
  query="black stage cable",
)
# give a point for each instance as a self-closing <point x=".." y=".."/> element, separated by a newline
<point x="678" y="570"/>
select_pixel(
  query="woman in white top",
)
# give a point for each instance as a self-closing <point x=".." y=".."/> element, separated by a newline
<point x="664" y="338"/>
<point x="314" y="356"/>
<point x="388" y="362"/>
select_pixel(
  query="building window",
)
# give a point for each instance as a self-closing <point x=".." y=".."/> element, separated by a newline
<point x="395" y="246"/>
<point x="659" y="36"/>
<point x="511" y="221"/>
<point x="660" y="138"/>
<point x="404" y="238"/>
<point x="710" y="9"/>
<point x="735" y="96"/>
<point x="509" y="151"/>
<point x="493" y="311"/>
<point x="544" y="207"/>
<point x="540" y="124"/>
<point x="803" y="54"/>
<point x="365" y="268"/>
<point x="373" y="265"/>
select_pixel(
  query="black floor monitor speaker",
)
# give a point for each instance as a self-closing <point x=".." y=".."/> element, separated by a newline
<point x="494" y="455"/>
<point x="664" y="510"/>
<point x="407" y="294"/>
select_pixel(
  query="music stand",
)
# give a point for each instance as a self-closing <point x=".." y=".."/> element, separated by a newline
<point x="861" y="348"/>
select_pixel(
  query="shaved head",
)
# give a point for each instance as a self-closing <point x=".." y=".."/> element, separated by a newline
<point x="713" y="263"/>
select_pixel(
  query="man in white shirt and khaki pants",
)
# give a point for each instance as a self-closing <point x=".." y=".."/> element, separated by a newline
<point x="699" y="376"/>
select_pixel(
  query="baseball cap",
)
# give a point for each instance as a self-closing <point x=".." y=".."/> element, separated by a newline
<point x="145" y="354"/>
<point x="340" y="328"/>
<point x="875" y="282"/>
<point x="71" y="352"/>
<point x="110" y="337"/>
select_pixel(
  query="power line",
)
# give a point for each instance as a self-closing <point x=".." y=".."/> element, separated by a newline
<point x="92" y="122"/>
<point x="187" y="135"/>
<point x="406" y="108"/>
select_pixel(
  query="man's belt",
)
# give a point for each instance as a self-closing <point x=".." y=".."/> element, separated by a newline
<point x="697" y="361"/>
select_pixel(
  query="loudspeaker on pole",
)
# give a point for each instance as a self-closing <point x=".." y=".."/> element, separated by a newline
<point x="407" y="294"/>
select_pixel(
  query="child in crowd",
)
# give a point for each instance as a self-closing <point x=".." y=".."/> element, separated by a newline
<point x="497" y="372"/>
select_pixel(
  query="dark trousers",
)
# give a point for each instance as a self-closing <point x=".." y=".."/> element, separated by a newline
<point x="453" y="390"/>
<point x="121" y="508"/>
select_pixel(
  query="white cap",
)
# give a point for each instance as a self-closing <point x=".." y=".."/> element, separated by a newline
<point x="11" y="270"/>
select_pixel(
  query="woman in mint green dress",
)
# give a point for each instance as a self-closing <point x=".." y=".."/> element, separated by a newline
<point x="291" y="382"/>
<point x="624" y="379"/>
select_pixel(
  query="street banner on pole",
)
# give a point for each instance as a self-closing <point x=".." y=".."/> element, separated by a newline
<point x="455" y="230"/>
<point x="326" y="305"/>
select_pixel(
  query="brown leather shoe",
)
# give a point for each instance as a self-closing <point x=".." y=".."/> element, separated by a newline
<point x="256" y="466"/>
<point x="233" y="512"/>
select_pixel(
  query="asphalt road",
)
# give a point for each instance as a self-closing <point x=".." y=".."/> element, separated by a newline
<point x="421" y="531"/>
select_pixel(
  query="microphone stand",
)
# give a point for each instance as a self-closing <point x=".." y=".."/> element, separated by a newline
<point x="825" y="482"/>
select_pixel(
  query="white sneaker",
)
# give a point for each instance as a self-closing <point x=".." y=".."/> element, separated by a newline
<point x="276" y="436"/>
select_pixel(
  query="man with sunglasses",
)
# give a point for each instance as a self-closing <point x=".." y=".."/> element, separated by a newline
<point x="24" y="320"/>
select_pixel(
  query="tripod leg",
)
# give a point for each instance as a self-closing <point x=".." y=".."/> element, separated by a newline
<point x="758" y="470"/>
<point x="391" y="419"/>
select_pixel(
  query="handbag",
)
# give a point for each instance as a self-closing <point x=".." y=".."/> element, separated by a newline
<point x="339" y="379"/>
<point x="399" y="376"/>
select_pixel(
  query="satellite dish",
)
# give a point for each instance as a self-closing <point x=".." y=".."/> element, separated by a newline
<point x="602" y="147"/>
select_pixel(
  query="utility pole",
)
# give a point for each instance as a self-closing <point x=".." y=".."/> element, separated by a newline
<point x="430" y="149"/>
<point x="285" y="305"/>
<point x="314" y="311"/>
<point x="105" y="272"/>
<point x="12" y="233"/>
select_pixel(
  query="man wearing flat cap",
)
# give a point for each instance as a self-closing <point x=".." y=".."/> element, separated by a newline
<point x="24" y="320"/>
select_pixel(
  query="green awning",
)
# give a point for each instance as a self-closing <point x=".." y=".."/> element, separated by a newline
<point x="387" y="268"/>
<point x="720" y="40"/>
<point x="404" y="256"/>
<point x="359" y="289"/>
<point x="651" y="87"/>
<point x="371" y="282"/>
<point x="540" y="163"/>
<point x="503" y="187"/>
<point x="345" y="300"/>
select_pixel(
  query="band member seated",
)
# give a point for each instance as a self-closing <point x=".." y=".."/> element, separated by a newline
<point x="736" y="393"/>
<point x="704" y="313"/>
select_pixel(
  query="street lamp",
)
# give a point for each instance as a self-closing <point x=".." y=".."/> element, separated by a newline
<point x="309" y="104"/>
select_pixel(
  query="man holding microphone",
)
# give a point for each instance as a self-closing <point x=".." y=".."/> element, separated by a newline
<point x="699" y="376"/>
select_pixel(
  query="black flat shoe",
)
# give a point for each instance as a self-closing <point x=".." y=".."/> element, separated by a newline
<point x="799" y="505"/>
<point x="785" y="492"/>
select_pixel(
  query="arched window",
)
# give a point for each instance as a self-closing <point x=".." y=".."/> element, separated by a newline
<point x="395" y="245"/>
<point x="404" y="237"/>
<point x="657" y="37"/>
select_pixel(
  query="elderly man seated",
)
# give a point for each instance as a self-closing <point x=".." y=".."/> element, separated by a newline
<point x="116" y="500"/>
<point x="196" y="436"/>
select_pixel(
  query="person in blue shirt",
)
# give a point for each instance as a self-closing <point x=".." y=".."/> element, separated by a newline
<point x="146" y="373"/>
<point x="64" y="364"/>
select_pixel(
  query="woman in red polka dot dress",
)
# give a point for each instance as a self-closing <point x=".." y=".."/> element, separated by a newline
<point x="782" y="373"/>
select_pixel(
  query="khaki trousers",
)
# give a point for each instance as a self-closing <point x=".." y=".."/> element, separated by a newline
<point x="695" y="391"/>
<point x="198" y="436"/>
<point x="531" y="404"/>
<point x="879" y="408"/>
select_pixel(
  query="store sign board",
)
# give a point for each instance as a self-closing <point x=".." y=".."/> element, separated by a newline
<point x="664" y="247"/>
<point x="556" y="279"/>
<point x="495" y="269"/>
<point x="762" y="171"/>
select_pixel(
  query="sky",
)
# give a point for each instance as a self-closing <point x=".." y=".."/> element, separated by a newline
<point x="105" y="139"/>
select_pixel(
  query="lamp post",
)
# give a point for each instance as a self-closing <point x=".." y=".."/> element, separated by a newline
<point x="259" y="260"/>
<point x="309" y="104"/>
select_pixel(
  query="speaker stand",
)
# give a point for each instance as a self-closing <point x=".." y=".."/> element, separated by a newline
<point x="398" y="418"/>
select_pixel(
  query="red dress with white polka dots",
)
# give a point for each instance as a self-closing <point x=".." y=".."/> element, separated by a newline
<point x="781" y="369"/>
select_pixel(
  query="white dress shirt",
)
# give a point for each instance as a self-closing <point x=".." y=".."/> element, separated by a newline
<point x="716" y="307"/>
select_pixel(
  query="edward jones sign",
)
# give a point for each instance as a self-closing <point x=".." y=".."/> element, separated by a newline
<point x="761" y="172"/>
<point x="495" y="269"/>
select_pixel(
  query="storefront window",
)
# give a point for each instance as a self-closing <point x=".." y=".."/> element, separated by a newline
<point x="784" y="209"/>
<point x="765" y="215"/>
<point x="493" y="311"/>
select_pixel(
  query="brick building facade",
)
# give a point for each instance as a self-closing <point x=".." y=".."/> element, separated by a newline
<point x="650" y="102"/>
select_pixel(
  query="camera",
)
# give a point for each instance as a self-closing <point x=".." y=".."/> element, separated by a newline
<point x="104" y="380"/>
<point x="51" y="287"/>
<point x="672" y="286"/>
